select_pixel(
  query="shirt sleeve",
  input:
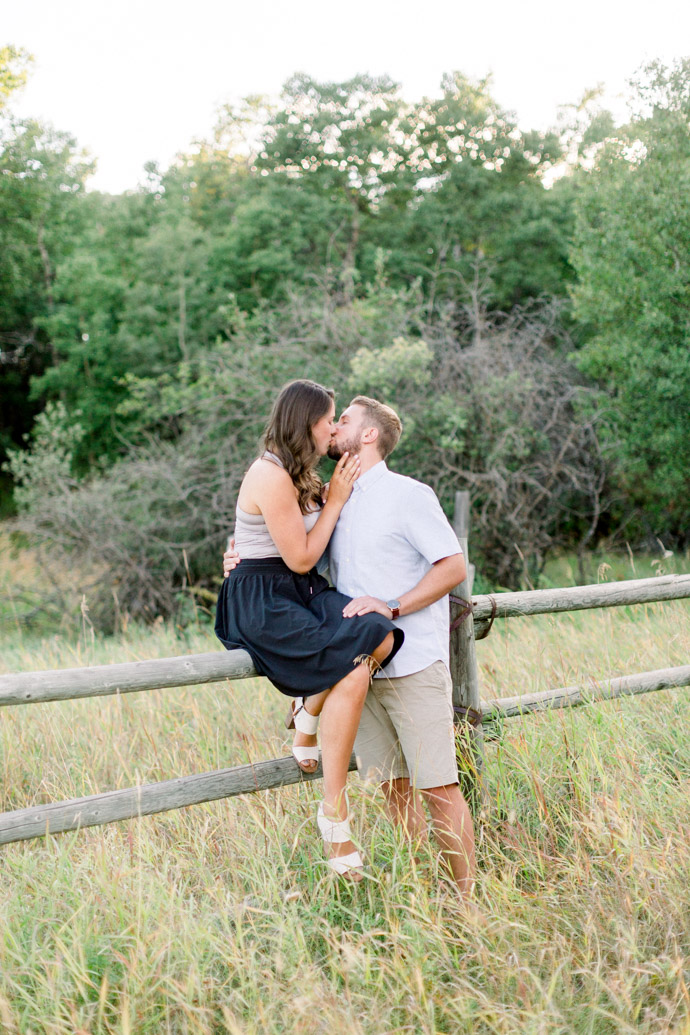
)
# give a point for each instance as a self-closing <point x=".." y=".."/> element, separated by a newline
<point x="426" y="526"/>
<point x="323" y="566"/>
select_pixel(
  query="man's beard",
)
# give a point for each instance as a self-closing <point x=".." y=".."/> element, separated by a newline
<point x="351" y="445"/>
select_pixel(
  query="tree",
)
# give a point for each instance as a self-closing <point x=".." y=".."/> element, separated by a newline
<point x="467" y="183"/>
<point x="135" y="299"/>
<point x="632" y="256"/>
<point x="495" y="406"/>
<point x="14" y="70"/>
<point x="343" y="185"/>
<point x="43" y="175"/>
<point x="347" y="142"/>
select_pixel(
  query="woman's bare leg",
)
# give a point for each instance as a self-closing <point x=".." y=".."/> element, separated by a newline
<point x="339" y="721"/>
<point x="340" y="715"/>
<point x="384" y="649"/>
<point x="315" y="703"/>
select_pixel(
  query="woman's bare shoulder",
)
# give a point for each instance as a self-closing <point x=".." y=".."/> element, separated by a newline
<point x="264" y="477"/>
<point x="265" y="471"/>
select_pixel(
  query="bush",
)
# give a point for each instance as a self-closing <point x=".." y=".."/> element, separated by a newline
<point x="489" y="404"/>
<point x="495" y="406"/>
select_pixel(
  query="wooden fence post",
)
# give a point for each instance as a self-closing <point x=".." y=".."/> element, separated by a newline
<point x="464" y="673"/>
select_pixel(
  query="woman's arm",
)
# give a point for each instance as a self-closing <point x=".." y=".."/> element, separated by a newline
<point x="274" y="494"/>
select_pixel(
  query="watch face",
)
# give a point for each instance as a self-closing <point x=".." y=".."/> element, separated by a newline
<point x="393" y="604"/>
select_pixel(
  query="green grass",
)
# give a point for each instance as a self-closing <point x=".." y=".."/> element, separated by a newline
<point x="222" y="917"/>
<point x="562" y="569"/>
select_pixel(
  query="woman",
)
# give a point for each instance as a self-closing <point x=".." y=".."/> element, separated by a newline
<point x="277" y="607"/>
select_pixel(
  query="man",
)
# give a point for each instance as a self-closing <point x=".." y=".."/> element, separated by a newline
<point x="393" y="551"/>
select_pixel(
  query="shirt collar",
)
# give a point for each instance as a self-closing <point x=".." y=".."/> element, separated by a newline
<point x="365" y="481"/>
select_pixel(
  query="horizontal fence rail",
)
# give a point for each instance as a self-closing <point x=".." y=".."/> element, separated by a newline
<point x="581" y="598"/>
<point x="575" y="696"/>
<point x="152" y="798"/>
<point x="214" y="666"/>
<point x="101" y="680"/>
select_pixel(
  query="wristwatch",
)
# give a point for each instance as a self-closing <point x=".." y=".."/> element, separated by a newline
<point x="394" y="606"/>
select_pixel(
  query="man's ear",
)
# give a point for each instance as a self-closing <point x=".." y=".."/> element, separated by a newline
<point x="370" y="436"/>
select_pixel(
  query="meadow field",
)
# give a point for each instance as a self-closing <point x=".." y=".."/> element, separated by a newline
<point x="222" y="918"/>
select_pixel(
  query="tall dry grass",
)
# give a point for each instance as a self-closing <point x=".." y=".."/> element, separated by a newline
<point x="223" y="917"/>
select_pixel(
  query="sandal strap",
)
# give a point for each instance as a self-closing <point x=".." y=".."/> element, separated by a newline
<point x="304" y="721"/>
<point x="304" y="753"/>
<point x="333" y="831"/>
<point x="344" y="863"/>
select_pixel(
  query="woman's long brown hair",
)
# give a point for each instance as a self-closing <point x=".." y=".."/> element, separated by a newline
<point x="298" y="407"/>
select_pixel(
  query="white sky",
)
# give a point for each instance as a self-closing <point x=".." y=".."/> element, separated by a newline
<point x="138" y="80"/>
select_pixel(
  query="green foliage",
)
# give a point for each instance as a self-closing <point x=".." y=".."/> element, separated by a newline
<point x="342" y="182"/>
<point x="337" y="134"/>
<point x="493" y="408"/>
<point x="433" y="184"/>
<point x="632" y="255"/>
<point x="46" y="469"/>
<point x="404" y="362"/>
<point x="371" y="242"/>
<point x="134" y="299"/>
<point x="14" y="69"/>
<point x="42" y="179"/>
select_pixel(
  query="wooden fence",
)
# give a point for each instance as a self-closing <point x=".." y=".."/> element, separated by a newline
<point x="97" y="681"/>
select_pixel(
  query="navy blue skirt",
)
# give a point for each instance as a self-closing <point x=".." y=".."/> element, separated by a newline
<point x="292" y="625"/>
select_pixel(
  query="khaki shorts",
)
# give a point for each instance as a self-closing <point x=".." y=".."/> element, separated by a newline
<point x="406" y="729"/>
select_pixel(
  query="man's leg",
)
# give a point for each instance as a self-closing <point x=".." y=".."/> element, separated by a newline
<point x="405" y="807"/>
<point x="454" y="830"/>
<point x="380" y="760"/>
<point x="420" y="710"/>
<point x="451" y="820"/>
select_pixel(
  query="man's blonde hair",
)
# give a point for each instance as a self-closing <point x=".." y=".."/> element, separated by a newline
<point x="385" y="419"/>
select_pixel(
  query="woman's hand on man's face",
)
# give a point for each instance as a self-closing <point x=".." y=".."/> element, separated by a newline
<point x="343" y="478"/>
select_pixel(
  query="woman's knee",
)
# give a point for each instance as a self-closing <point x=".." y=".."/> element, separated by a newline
<point x="355" y="684"/>
<point x="384" y="648"/>
<point x="361" y="680"/>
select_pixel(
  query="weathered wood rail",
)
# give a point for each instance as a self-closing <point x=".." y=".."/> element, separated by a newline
<point x="575" y="696"/>
<point x="215" y="666"/>
<point x="126" y="678"/>
<point x="151" y="798"/>
<point x="582" y="598"/>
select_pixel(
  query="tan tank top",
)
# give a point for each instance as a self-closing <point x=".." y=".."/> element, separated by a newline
<point x="252" y="538"/>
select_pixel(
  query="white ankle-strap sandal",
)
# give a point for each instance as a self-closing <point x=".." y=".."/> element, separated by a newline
<point x="337" y="831"/>
<point x="300" y="719"/>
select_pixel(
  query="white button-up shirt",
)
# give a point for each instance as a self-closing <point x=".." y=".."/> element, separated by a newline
<point x="389" y="534"/>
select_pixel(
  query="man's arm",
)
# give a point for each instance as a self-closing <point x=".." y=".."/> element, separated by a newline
<point x="443" y="576"/>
